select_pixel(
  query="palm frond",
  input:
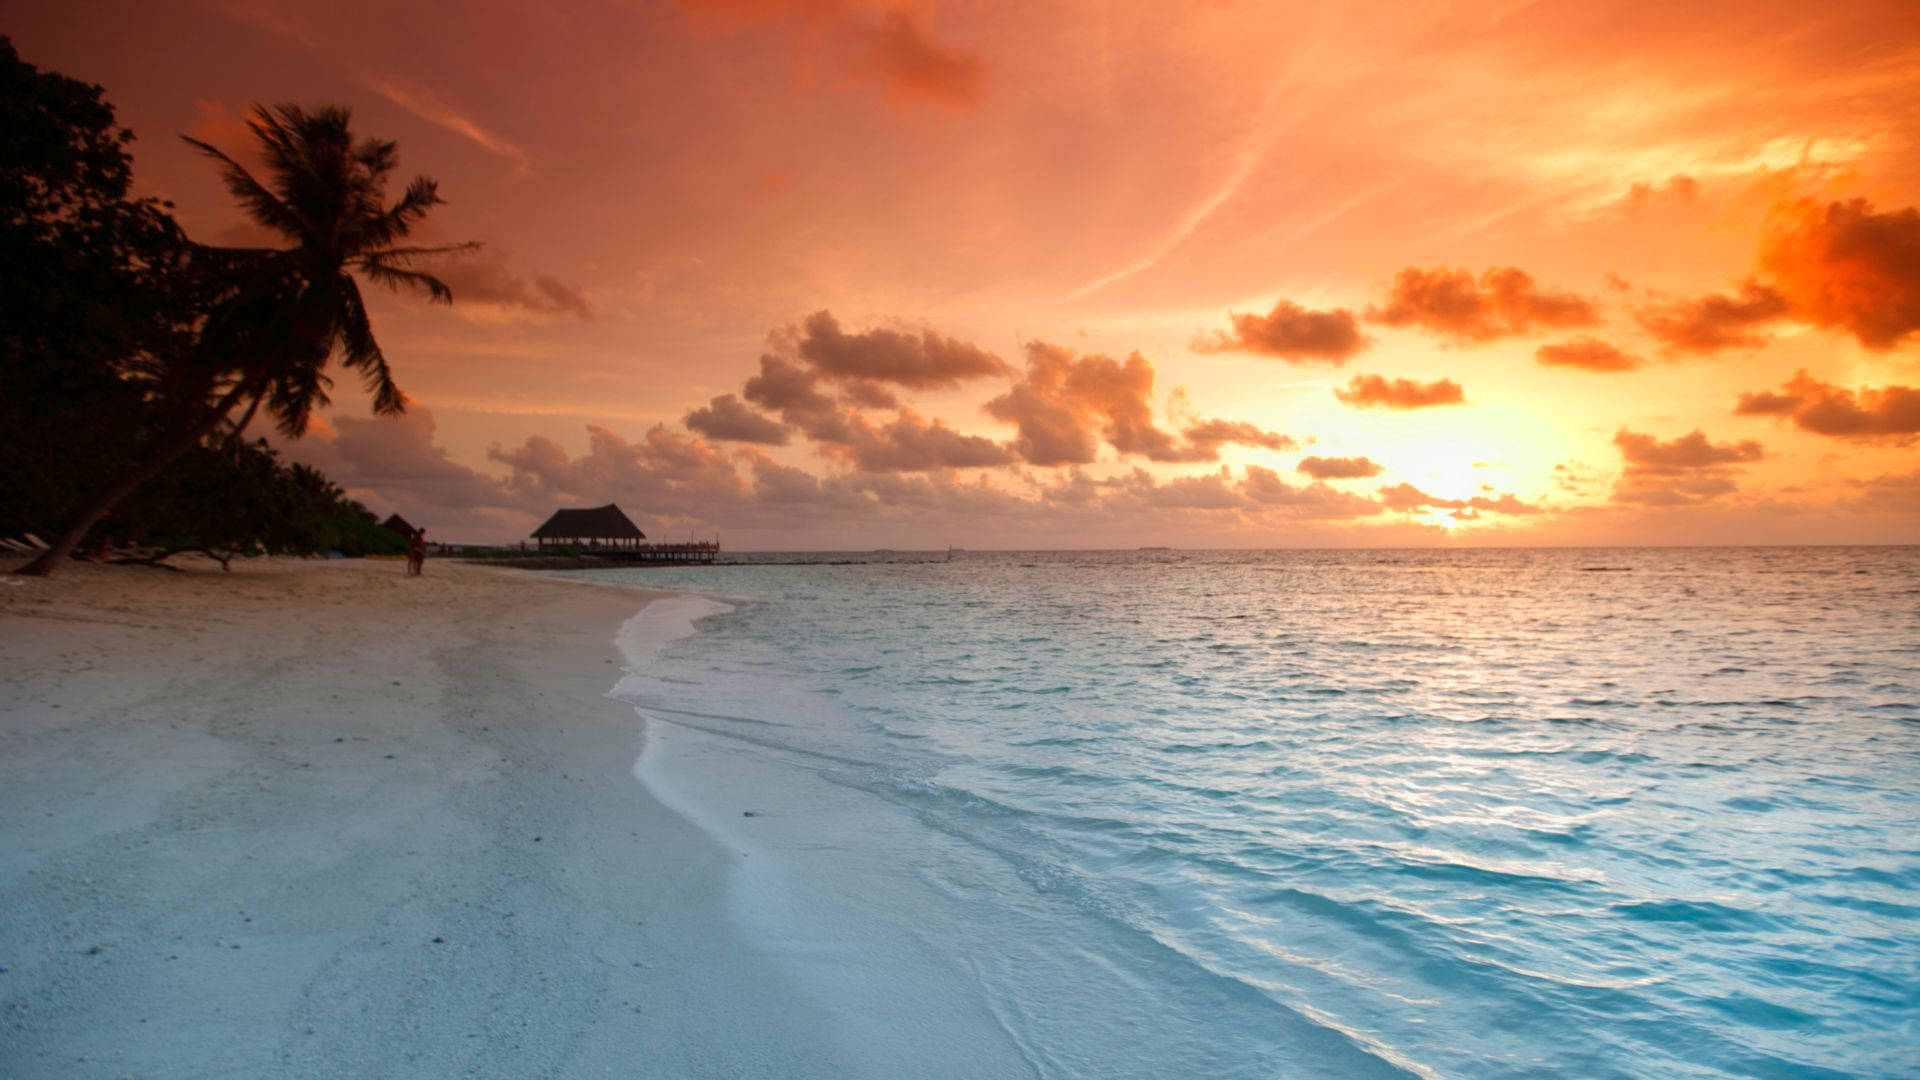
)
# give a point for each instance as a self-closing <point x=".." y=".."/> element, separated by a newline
<point x="396" y="278"/>
<point x="363" y="351"/>
<point x="263" y="205"/>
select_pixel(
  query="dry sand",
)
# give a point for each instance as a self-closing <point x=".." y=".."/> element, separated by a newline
<point x="321" y="819"/>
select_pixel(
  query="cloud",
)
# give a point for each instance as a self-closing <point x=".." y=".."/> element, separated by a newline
<point x="488" y="282"/>
<point x="1685" y="471"/>
<point x="1409" y="498"/>
<point x="920" y="361"/>
<point x="725" y="417"/>
<point x="436" y="112"/>
<point x="1679" y="189"/>
<point x="1315" y="501"/>
<point x="1340" y="468"/>
<point x="1292" y="333"/>
<point x="662" y="474"/>
<point x="1588" y="354"/>
<point x="1503" y="303"/>
<point x="884" y="45"/>
<point x="910" y="443"/>
<point x="1066" y="403"/>
<point x="1844" y="266"/>
<point x="1890" y="412"/>
<point x="913" y="68"/>
<point x="1212" y="432"/>
<point x="1716" y="321"/>
<point x="1367" y="391"/>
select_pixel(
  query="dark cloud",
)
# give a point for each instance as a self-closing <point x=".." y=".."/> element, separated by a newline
<point x="490" y="282"/>
<point x="1683" y="471"/>
<point x="1213" y="432"/>
<point x="1292" y="333"/>
<point x="1504" y="302"/>
<point x="1368" y="391"/>
<point x="920" y="360"/>
<point x="1716" y="321"/>
<point x="1588" y="354"/>
<point x="1340" y="468"/>
<point x="1889" y="412"/>
<point x="727" y="418"/>
<point x="1846" y="267"/>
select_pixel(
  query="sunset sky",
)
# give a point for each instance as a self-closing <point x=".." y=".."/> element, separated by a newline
<point x="840" y="274"/>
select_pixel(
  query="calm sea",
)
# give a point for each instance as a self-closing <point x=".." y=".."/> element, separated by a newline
<point x="1584" y="813"/>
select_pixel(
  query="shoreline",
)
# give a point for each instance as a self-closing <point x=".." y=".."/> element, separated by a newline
<point x="315" y="818"/>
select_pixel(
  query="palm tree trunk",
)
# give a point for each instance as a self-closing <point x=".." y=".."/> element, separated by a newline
<point x="92" y="511"/>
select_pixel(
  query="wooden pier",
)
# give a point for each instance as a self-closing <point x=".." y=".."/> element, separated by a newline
<point x="698" y="551"/>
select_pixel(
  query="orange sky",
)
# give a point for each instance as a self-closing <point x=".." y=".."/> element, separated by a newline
<point x="829" y="273"/>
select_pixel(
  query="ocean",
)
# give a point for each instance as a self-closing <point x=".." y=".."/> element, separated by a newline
<point x="1477" y="814"/>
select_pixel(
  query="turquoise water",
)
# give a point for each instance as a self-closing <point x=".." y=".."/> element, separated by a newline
<point x="1648" y="813"/>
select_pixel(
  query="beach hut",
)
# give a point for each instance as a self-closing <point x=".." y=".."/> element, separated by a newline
<point x="396" y="523"/>
<point x="601" y="526"/>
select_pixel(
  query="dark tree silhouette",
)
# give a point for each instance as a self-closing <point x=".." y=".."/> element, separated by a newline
<point x="277" y="316"/>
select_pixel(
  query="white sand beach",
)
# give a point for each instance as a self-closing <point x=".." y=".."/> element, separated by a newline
<point x="320" y="819"/>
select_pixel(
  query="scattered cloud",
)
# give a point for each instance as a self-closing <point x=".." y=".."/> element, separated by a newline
<point x="1890" y="412"/>
<point x="1409" y="498"/>
<point x="1685" y="471"/>
<point x="1368" y="391"/>
<point x="1846" y="267"/>
<point x="911" y="443"/>
<point x="1314" y="501"/>
<point x="727" y="418"/>
<point x="1340" y="468"/>
<point x="1716" y="321"/>
<point x="1214" y="432"/>
<point x="1504" y="302"/>
<point x="490" y="284"/>
<point x="1587" y="354"/>
<point x="1066" y="403"/>
<point x="1678" y="189"/>
<point x="918" y="360"/>
<point x="1292" y="333"/>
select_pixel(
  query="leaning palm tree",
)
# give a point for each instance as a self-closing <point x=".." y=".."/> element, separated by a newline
<point x="277" y="316"/>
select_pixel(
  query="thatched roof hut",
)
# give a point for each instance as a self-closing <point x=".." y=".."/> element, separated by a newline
<point x="601" y="526"/>
<point x="398" y="524"/>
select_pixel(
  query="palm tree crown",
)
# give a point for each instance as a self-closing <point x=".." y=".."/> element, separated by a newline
<point x="289" y="310"/>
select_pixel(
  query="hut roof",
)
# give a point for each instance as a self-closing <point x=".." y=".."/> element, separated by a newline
<point x="599" y="523"/>
<point x="398" y="524"/>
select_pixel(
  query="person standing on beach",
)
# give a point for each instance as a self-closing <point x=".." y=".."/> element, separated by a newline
<point x="417" y="553"/>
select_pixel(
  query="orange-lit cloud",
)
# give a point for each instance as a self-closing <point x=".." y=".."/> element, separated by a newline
<point x="1066" y="403"/>
<point x="1292" y="333"/>
<point x="1889" y="412"/>
<point x="1340" y="468"/>
<point x="1847" y="267"/>
<point x="1587" y="354"/>
<point x="1370" y="391"/>
<point x="886" y="45"/>
<point x="1504" y="302"/>
<point x="1684" y="471"/>
<point x="1409" y="498"/>
<point x="1214" y="432"/>
<point x="434" y="111"/>
<point x="1716" y="321"/>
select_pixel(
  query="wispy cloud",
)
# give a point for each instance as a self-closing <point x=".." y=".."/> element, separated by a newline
<point x="438" y="113"/>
